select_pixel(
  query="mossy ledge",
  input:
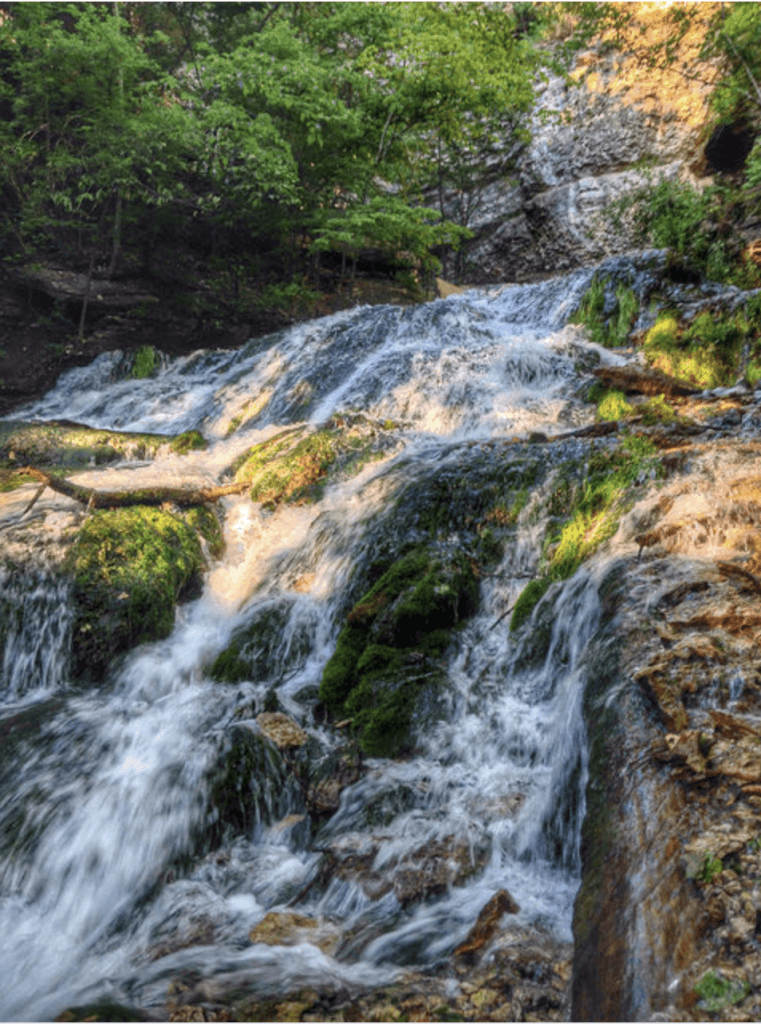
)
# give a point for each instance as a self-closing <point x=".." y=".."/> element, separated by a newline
<point x="386" y="667"/>
<point x="129" y="566"/>
<point x="294" y="465"/>
<point x="607" y="486"/>
<point x="56" y="446"/>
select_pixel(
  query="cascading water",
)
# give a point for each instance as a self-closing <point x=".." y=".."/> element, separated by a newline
<point x="105" y="886"/>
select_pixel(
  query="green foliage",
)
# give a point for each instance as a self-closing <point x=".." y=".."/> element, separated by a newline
<point x="293" y="297"/>
<point x="695" y="226"/>
<point x="706" y="352"/>
<point x="284" y="125"/>
<point x="734" y="37"/>
<point x="710" y="867"/>
<point x="610" y="329"/>
<point x="718" y="993"/>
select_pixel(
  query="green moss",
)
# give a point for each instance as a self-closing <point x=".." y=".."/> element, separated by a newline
<point x="530" y="596"/>
<point x="657" y="410"/>
<point x="145" y="362"/>
<point x="610" y="476"/>
<point x="263" y="647"/>
<point x="706" y="351"/>
<point x="613" y="406"/>
<point x="592" y="516"/>
<point x="105" y="1010"/>
<point x="386" y="658"/>
<point x="718" y="993"/>
<point x="206" y="523"/>
<point x="251" y="784"/>
<point x="52" y="445"/>
<point x="295" y="465"/>
<point x="129" y="566"/>
<point x="190" y="441"/>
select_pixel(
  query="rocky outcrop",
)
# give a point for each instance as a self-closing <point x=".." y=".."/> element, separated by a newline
<point x="600" y="132"/>
<point x="669" y="902"/>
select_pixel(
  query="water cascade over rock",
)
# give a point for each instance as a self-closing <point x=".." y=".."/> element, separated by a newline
<point x="350" y="777"/>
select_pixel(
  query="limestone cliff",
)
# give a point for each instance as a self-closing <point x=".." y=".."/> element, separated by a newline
<point x="597" y="133"/>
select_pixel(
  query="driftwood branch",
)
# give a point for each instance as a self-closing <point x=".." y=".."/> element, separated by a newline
<point x="92" y="498"/>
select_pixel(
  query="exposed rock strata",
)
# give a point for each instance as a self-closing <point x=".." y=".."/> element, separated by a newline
<point x="670" y="894"/>
<point x="602" y="132"/>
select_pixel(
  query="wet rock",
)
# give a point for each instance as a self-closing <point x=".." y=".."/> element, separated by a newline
<point x="330" y="776"/>
<point x="670" y="844"/>
<point x="277" y="638"/>
<point x="289" y="928"/>
<point x="386" y="671"/>
<point x="106" y="1010"/>
<point x="488" y="922"/>
<point x="281" y="730"/>
<point x="526" y="979"/>
<point x="427" y="871"/>
<point x="251" y="783"/>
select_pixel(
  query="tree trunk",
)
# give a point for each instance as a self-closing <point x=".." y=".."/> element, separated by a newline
<point x="117" y="236"/>
<point x="86" y="298"/>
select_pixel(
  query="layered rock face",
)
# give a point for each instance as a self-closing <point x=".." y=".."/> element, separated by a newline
<point x="669" y="905"/>
<point x="597" y="134"/>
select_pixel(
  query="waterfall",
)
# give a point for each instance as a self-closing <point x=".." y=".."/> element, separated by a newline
<point x="109" y="886"/>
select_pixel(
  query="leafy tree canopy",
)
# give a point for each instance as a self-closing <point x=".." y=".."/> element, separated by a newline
<point x="303" y="125"/>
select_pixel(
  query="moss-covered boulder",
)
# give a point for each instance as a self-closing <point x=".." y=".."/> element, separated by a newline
<point x="386" y="668"/>
<point x="130" y="567"/>
<point x="295" y="465"/>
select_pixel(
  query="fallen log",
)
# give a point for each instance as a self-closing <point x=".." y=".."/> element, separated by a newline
<point x="93" y="498"/>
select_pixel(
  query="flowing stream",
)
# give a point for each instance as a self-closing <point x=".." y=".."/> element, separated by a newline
<point x="105" y="791"/>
